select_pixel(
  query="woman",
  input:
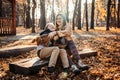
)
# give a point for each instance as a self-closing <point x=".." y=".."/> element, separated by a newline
<point x="66" y="32"/>
<point x="51" y="53"/>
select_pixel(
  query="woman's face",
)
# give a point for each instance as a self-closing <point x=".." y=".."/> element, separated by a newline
<point x="59" y="21"/>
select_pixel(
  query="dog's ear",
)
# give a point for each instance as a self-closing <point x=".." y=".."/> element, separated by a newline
<point x="38" y="40"/>
<point x="33" y="40"/>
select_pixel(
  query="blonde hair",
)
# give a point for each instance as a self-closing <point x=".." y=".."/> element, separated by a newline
<point x="48" y="24"/>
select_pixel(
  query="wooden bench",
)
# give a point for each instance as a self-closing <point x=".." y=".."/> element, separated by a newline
<point x="27" y="66"/>
<point x="33" y="65"/>
<point x="15" y="51"/>
<point x="87" y="53"/>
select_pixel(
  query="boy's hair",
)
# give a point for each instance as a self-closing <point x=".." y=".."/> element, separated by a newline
<point x="48" y="24"/>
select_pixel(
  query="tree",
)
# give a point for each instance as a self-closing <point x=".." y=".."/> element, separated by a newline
<point x="113" y="13"/>
<point x="92" y="15"/>
<point x="33" y="16"/>
<point x="53" y="12"/>
<point x="118" y="15"/>
<point x="83" y="17"/>
<point x="28" y="18"/>
<point x="100" y="12"/>
<point x="0" y="8"/>
<point x="108" y="15"/>
<point x="42" y="21"/>
<point x="24" y="6"/>
<point x="86" y="13"/>
<point x="67" y="9"/>
<point x="79" y="15"/>
<point x="74" y="14"/>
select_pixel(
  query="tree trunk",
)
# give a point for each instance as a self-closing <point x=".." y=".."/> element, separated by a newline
<point x="67" y="9"/>
<point x="92" y="14"/>
<point x="33" y="16"/>
<point x="24" y="16"/>
<point x="73" y="21"/>
<point x="53" y="12"/>
<point x="108" y="15"/>
<point x="79" y="15"/>
<point x="0" y="8"/>
<point x="42" y="18"/>
<point x="28" y="18"/>
<point x="115" y="13"/>
<point x="83" y="17"/>
<point x="118" y="15"/>
<point x="86" y="16"/>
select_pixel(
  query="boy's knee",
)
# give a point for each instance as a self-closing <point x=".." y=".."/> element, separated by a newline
<point x="55" y="48"/>
<point x="62" y="50"/>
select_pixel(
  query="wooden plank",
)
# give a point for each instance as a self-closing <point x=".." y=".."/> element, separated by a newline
<point x="87" y="53"/>
<point x="15" y="51"/>
<point x="27" y="66"/>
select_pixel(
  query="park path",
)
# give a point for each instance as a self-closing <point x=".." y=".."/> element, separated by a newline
<point x="32" y="35"/>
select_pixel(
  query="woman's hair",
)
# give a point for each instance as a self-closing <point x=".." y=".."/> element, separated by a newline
<point x="64" y="20"/>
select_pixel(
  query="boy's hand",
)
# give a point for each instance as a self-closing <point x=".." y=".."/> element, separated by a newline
<point x="52" y="34"/>
<point x="56" y="38"/>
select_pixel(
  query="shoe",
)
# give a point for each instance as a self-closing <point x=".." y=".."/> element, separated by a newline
<point x="51" y="70"/>
<point x="82" y="66"/>
<point x="75" y="70"/>
<point x="66" y="70"/>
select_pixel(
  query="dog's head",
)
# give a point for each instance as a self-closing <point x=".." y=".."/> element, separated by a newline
<point x="43" y="40"/>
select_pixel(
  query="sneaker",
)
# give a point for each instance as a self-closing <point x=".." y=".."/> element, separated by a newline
<point x="66" y="70"/>
<point x="51" y="70"/>
<point x="75" y="70"/>
<point x="82" y="66"/>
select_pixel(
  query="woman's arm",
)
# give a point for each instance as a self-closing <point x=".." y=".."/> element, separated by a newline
<point x="65" y="33"/>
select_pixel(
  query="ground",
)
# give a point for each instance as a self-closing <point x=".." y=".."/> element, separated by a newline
<point x="104" y="66"/>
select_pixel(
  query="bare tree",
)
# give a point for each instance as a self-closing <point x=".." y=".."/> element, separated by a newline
<point x="73" y="21"/>
<point x="24" y="6"/>
<point x="83" y="17"/>
<point x="53" y="12"/>
<point x="42" y="18"/>
<point x="28" y="18"/>
<point x="0" y="8"/>
<point x="86" y="13"/>
<point x="92" y="15"/>
<point x="79" y="15"/>
<point x="108" y="15"/>
<point x="113" y="14"/>
<point x="118" y="15"/>
<point x="67" y="9"/>
<point x="33" y="16"/>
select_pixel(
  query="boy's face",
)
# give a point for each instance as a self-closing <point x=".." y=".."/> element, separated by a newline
<point x="51" y="27"/>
